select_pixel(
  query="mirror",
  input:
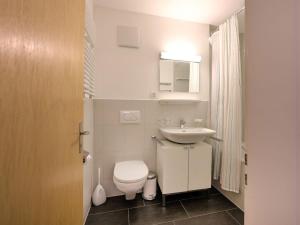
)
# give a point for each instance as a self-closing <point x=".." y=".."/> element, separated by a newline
<point x="179" y="76"/>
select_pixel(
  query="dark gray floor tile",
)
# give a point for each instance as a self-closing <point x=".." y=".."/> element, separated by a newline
<point x="200" y="206"/>
<point x="112" y="218"/>
<point x="168" y="223"/>
<point x="188" y="195"/>
<point x="211" y="219"/>
<point x="117" y="203"/>
<point x="156" y="214"/>
<point x="155" y="201"/>
<point x="182" y="196"/>
<point x="238" y="215"/>
<point x="213" y="191"/>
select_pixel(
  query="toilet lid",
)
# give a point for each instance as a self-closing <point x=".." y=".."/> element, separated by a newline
<point x="130" y="171"/>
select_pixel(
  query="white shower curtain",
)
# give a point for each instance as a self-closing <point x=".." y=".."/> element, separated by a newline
<point x="216" y="105"/>
<point x="227" y="113"/>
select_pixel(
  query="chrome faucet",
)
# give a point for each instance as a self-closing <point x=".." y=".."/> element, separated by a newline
<point x="182" y="123"/>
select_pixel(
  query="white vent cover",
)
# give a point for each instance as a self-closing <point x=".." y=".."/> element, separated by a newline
<point x="128" y="36"/>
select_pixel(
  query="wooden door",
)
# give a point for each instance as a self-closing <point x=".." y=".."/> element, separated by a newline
<point x="41" y="67"/>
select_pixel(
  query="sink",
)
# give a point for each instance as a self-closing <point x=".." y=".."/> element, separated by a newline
<point x="186" y="135"/>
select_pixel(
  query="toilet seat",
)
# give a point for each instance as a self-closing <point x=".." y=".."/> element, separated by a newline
<point x="130" y="171"/>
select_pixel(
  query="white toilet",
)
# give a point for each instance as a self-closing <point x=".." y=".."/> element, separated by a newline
<point x="130" y="177"/>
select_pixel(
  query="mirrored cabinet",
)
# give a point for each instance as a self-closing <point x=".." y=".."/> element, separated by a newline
<point x="179" y="73"/>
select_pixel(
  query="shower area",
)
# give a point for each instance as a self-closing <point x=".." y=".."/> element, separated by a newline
<point x="227" y="107"/>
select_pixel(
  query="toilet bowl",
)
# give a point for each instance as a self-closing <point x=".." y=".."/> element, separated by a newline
<point x="130" y="177"/>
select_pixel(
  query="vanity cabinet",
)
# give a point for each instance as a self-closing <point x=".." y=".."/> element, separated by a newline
<point x="172" y="167"/>
<point x="199" y="168"/>
<point x="183" y="167"/>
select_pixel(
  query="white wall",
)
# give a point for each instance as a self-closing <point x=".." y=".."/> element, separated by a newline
<point x="88" y="145"/>
<point x="271" y="112"/>
<point x="124" y="73"/>
<point x="117" y="142"/>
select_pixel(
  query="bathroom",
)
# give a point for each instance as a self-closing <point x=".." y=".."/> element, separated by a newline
<point x="142" y="112"/>
<point x="138" y="81"/>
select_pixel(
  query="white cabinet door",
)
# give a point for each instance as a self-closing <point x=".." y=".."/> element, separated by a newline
<point x="200" y="157"/>
<point x="172" y="168"/>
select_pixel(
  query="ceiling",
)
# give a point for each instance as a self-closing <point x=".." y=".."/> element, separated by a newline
<point x="202" y="11"/>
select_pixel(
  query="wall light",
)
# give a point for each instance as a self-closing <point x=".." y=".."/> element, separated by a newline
<point x="180" y="57"/>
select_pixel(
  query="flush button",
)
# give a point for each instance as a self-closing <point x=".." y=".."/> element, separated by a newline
<point x="130" y="116"/>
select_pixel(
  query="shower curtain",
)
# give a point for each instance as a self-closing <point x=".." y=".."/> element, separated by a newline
<point x="226" y="105"/>
<point x="216" y="105"/>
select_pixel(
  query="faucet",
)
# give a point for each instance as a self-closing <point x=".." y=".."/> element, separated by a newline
<point x="182" y="123"/>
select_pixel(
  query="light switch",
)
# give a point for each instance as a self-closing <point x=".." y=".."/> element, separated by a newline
<point x="130" y="116"/>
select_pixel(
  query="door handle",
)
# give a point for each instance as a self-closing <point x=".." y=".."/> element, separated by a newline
<point x="84" y="132"/>
<point x="81" y="134"/>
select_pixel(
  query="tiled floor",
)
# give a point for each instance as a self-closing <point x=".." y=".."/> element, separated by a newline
<point x="196" y="208"/>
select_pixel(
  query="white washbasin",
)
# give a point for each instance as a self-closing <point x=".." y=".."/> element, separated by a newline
<point x="186" y="135"/>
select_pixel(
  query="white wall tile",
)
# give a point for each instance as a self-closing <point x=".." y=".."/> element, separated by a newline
<point x="149" y="156"/>
<point x="113" y="137"/>
<point x="119" y="142"/>
<point x="134" y="137"/>
<point x="153" y="112"/>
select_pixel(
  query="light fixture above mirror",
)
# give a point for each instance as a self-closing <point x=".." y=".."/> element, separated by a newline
<point x="177" y="56"/>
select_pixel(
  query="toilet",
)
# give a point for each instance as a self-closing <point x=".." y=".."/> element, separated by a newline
<point x="130" y="177"/>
